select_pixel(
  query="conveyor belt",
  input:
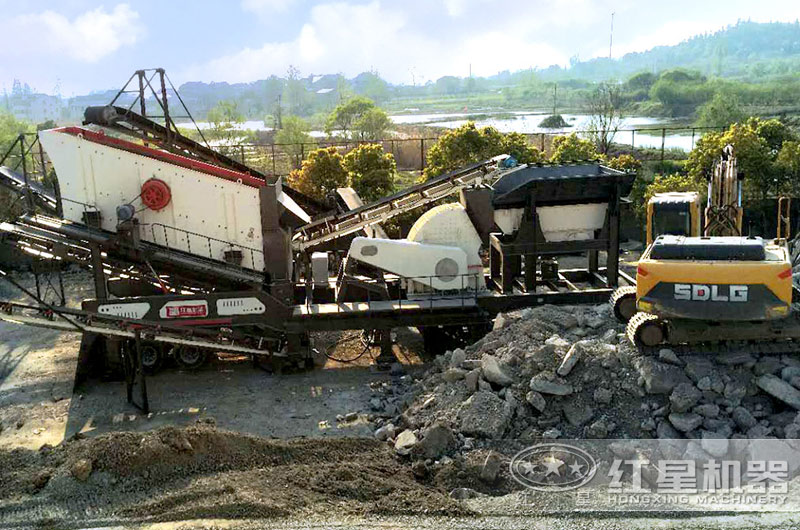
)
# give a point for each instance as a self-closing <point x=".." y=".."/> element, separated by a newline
<point x="72" y="239"/>
<point x="16" y="182"/>
<point x="336" y="226"/>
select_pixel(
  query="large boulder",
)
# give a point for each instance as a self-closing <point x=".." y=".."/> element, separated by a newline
<point x="660" y="378"/>
<point x="547" y="383"/>
<point x="81" y="469"/>
<point x="483" y="415"/>
<point x="685" y="421"/>
<point x="405" y="442"/>
<point x="437" y="440"/>
<point x="683" y="397"/>
<point x="494" y="372"/>
<point x="780" y="389"/>
<point x="571" y="358"/>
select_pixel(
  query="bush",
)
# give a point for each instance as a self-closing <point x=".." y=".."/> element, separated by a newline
<point x="554" y="121"/>
<point x="321" y="173"/>
<point x="468" y="144"/>
<point x="370" y="171"/>
<point x="624" y="163"/>
<point x="721" y="111"/>
<point x="572" y="148"/>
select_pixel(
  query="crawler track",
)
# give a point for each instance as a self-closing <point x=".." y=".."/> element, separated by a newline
<point x="713" y="344"/>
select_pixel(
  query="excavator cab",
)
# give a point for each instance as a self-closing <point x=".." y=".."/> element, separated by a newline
<point x="674" y="213"/>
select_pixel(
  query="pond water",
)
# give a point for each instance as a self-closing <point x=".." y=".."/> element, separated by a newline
<point x="528" y="123"/>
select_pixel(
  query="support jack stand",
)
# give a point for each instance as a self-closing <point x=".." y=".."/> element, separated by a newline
<point x="134" y="373"/>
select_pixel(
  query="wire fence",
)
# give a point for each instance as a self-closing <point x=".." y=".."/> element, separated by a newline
<point x="410" y="154"/>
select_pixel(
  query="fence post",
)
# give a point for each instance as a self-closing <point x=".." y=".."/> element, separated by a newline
<point x="692" y="147"/>
<point x="241" y="152"/>
<point x="421" y="154"/>
<point x="633" y="138"/>
<point x="273" y="158"/>
<point x="541" y="141"/>
<point x="663" y="139"/>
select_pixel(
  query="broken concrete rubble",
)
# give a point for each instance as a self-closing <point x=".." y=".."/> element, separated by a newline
<point x="538" y="378"/>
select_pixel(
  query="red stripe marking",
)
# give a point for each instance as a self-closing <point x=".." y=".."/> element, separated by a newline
<point x="163" y="156"/>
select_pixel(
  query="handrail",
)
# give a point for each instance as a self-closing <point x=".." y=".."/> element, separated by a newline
<point x="207" y="242"/>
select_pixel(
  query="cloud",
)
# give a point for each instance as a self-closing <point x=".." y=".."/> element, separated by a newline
<point x="266" y="7"/>
<point x="88" y="37"/>
<point x="352" y="38"/>
<point x="668" y="34"/>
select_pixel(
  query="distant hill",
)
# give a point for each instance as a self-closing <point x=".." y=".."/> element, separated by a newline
<point x="746" y="50"/>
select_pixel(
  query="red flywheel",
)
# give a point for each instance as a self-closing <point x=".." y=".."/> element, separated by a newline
<point x="156" y="194"/>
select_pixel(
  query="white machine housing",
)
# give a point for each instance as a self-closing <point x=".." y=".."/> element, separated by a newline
<point x="558" y="223"/>
<point x="441" y="252"/>
<point x="207" y="214"/>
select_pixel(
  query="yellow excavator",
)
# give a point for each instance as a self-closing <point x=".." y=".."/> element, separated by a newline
<point x="714" y="289"/>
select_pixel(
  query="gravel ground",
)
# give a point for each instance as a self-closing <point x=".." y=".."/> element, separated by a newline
<point x="241" y="446"/>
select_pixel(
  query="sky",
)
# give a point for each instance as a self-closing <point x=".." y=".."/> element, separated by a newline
<point x="72" y="47"/>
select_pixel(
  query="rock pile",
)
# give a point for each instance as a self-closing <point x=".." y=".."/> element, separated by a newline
<point x="569" y="372"/>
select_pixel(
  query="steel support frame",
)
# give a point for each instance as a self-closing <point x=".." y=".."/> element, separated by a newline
<point x="508" y="255"/>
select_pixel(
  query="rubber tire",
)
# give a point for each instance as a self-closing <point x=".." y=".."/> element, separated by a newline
<point x="154" y="352"/>
<point x="191" y="358"/>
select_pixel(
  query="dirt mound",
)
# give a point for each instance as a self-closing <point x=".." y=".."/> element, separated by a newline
<point x="173" y="474"/>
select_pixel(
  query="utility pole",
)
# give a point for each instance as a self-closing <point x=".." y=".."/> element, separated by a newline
<point x="278" y="124"/>
<point x="611" y="35"/>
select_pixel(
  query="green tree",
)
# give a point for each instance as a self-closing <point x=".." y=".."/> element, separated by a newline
<point x="346" y="114"/>
<point x="295" y="138"/>
<point x="10" y="128"/>
<point x="753" y="154"/>
<point x="320" y="174"/>
<point x="605" y="110"/>
<point x="372" y="124"/>
<point x="572" y="148"/>
<point x="297" y="97"/>
<point x="224" y="118"/>
<point x="788" y="166"/>
<point x="721" y="111"/>
<point x="468" y="144"/>
<point x="374" y="87"/>
<point x="343" y="89"/>
<point x="370" y="171"/>
<point x="773" y="131"/>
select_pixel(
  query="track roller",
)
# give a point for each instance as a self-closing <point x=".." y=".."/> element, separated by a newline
<point x="645" y="331"/>
<point x="623" y="303"/>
